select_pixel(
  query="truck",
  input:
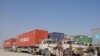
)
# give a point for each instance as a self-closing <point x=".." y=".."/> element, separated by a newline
<point x="65" y="44"/>
<point x="35" y="41"/>
<point x="49" y="44"/>
<point x="9" y="43"/>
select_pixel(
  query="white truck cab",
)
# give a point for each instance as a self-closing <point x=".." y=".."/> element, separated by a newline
<point x="47" y="44"/>
<point x="65" y="44"/>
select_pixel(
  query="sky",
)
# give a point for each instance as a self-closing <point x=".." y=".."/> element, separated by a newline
<point x="72" y="17"/>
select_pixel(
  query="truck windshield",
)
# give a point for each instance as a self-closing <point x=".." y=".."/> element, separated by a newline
<point x="67" y="42"/>
<point x="50" y="42"/>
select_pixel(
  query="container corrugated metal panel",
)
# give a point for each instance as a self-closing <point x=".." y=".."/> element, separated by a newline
<point x="31" y="38"/>
<point x="83" y="39"/>
<point x="9" y="42"/>
<point x="56" y="35"/>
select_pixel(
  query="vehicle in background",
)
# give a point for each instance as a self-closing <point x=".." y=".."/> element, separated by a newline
<point x="9" y="44"/>
<point x="65" y="44"/>
<point x="77" y="48"/>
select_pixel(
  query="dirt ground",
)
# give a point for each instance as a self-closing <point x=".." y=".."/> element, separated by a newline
<point x="6" y="53"/>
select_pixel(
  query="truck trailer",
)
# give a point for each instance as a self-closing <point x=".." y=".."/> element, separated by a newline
<point x="35" y="41"/>
<point x="9" y="43"/>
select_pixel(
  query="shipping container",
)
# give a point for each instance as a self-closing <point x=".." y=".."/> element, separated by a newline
<point x="32" y="38"/>
<point x="83" y="39"/>
<point x="56" y="35"/>
<point x="9" y="43"/>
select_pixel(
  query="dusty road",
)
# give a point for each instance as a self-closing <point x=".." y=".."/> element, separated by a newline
<point x="5" y="53"/>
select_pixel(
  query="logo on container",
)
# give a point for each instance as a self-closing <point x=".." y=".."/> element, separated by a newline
<point x="24" y="39"/>
<point x="7" y="43"/>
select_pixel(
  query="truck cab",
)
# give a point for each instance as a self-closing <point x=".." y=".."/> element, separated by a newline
<point x="77" y="48"/>
<point x="65" y="44"/>
<point x="47" y="44"/>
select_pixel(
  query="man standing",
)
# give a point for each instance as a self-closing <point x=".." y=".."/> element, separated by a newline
<point x="90" y="50"/>
<point x="98" y="51"/>
<point x="47" y="52"/>
<point x="59" y="50"/>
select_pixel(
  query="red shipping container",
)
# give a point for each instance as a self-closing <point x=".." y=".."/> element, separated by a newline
<point x="9" y="42"/>
<point x="31" y="38"/>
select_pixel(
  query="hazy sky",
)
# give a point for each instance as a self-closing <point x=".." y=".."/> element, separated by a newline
<point x="69" y="16"/>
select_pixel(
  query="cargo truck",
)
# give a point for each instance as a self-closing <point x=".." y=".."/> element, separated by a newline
<point x="9" y="44"/>
<point x="49" y="44"/>
<point x="35" y="41"/>
<point x="77" y="48"/>
<point x="66" y="44"/>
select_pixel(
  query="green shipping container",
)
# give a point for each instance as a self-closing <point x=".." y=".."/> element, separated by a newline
<point x="83" y="39"/>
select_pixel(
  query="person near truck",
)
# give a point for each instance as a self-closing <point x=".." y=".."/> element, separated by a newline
<point x="69" y="51"/>
<point x="59" y="50"/>
<point x="98" y="51"/>
<point x="91" y="50"/>
<point x="47" y="52"/>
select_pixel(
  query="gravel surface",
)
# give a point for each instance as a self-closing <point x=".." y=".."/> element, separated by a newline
<point x="6" y="53"/>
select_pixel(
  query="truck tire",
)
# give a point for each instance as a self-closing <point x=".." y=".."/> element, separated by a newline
<point x="33" y="52"/>
<point x="30" y="50"/>
<point x="9" y="49"/>
<point x="42" y="52"/>
<point x="18" y="50"/>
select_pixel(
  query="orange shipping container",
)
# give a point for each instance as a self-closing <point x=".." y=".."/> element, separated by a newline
<point x="9" y="42"/>
<point x="31" y="38"/>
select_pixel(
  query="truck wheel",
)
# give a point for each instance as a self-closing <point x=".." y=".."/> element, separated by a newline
<point x="33" y="52"/>
<point x="18" y="50"/>
<point x="42" y="52"/>
<point x="30" y="50"/>
<point x="15" y="50"/>
<point x="9" y="50"/>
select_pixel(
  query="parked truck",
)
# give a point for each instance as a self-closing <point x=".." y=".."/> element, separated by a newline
<point x="66" y="44"/>
<point x="9" y="43"/>
<point x="35" y="41"/>
<point x="75" y="46"/>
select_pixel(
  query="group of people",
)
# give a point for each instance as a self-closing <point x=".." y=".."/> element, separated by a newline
<point x="58" y="51"/>
<point x="93" y="51"/>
